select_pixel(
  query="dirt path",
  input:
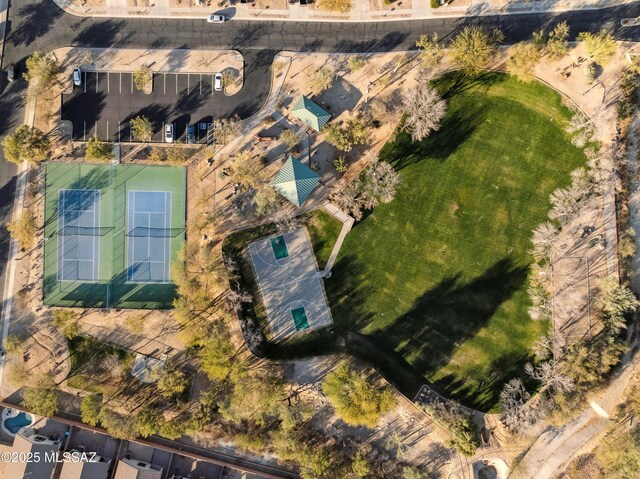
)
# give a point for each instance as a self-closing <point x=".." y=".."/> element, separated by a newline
<point x="634" y="200"/>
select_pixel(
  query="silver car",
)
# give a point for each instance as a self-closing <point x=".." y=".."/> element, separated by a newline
<point x="213" y="18"/>
<point x="77" y="77"/>
<point x="168" y="132"/>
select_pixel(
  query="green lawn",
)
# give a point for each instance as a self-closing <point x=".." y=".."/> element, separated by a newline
<point x="437" y="279"/>
<point x="324" y="230"/>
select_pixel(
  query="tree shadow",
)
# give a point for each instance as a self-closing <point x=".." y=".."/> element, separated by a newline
<point x="99" y="33"/>
<point x="450" y="313"/>
<point x="76" y="106"/>
<point x="36" y="21"/>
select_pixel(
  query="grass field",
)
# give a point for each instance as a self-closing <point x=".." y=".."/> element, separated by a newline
<point x="437" y="279"/>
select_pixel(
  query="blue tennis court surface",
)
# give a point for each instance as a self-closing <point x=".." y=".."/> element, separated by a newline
<point x="149" y="236"/>
<point x="79" y="238"/>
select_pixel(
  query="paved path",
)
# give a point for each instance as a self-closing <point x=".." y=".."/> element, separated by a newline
<point x="361" y="10"/>
<point x="634" y="201"/>
<point x="347" y="223"/>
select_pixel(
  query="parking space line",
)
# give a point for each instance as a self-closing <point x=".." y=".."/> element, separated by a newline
<point x="162" y="134"/>
<point x="164" y="89"/>
<point x="108" y="81"/>
<point x="120" y="88"/>
<point x="201" y="83"/>
<point x="132" y="82"/>
<point x="84" y="132"/>
<point x="119" y="131"/>
<point x="85" y="82"/>
<point x="176" y="83"/>
<point x="97" y="76"/>
<point x="188" y="83"/>
<point x="107" y="129"/>
<point x="129" y="132"/>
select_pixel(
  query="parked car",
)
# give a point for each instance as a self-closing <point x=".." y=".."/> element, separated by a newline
<point x="77" y="77"/>
<point x="168" y="132"/>
<point x="11" y="73"/>
<point x="213" y="18"/>
<point x="217" y="82"/>
<point x="191" y="134"/>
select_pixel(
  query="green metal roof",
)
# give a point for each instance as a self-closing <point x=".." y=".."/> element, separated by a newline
<point x="314" y="116"/>
<point x="295" y="181"/>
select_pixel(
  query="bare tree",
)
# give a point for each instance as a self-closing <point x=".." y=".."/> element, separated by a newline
<point x="286" y="222"/>
<point x="517" y="415"/>
<point x="548" y="373"/>
<point x="581" y="128"/>
<point x="544" y="237"/>
<point x="425" y="110"/>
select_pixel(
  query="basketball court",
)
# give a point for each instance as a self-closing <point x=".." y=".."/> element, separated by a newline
<point x="290" y="284"/>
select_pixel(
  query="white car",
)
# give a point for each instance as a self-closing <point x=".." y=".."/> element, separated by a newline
<point x="168" y="132"/>
<point x="217" y="82"/>
<point x="77" y="77"/>
<point x="213" y="18"/>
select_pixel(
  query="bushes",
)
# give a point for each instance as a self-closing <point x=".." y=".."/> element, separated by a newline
<point x="435" y="3"/>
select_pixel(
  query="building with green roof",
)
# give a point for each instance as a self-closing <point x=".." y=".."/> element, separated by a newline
<point x="310" y="113"/>
<point x="295" y="181"/>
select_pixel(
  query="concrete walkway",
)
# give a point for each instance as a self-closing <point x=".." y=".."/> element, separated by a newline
<point x="361" y="11"/>
<point x="634" y="201"/>
<point x="347" y="223"/>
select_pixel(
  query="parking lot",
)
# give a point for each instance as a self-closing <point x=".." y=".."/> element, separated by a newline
<point x="105" y="102"/>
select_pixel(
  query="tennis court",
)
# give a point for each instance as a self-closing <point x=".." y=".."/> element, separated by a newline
<point x="78" y="247"/>
<point x="111" y="233"/>
<point x="291" y="288"/>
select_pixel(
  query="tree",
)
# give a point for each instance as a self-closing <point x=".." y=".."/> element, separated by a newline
<point x="98" y="150"/>
<point x="557" y="43"/>
<point x="90" y="409"/>
<point x="142" y="78"/>
<point x="340" y="164"/>
<point x="517" y="415"/>
<point x="409" y="472"/>
<point x="247" y="170"/>
<point x="255" y="398"/>
<point x="339" y="6"/>
<point x="550" y="376"/>
<point x="431" y="52"/>
<point x="66" y="321"/>
<point x="13" y="344"/>
<point x="376" y="184"/>
<point x="600" y="47"/>
<point x="320" y="79"/>
<point x="345" y="136"/>
<point x="219" y="359"/>
<point x="616" y="303"/>
<point x="357" y="400"/>
<point x="42" y="72"/>
<point x="356" y="62"/>
<point x="26" y="144"/>
<point x="23" y="230"/>
<point x="266" y="200"/>
<point x="425" y="110"/>
<point x="117" y="425"/>
<point x="40" y="401"/>
<point x="141" y="128"/>
<point x="227" y="128"/>
<point x="157" y="154"/>
<point x="523" y="57"/>
<point x="475" y="47"/>
<point x="290" y="138"/>
<point x="172" y="382"/>
<point x="147" y="421"/>
<point x="459" y="421"/>
<point x="229" y="77"/>
<point x="544" y="237"/>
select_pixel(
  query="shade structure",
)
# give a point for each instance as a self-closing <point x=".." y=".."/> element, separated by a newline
<point x="295" y="181"/>
<point x="310" y="113"/>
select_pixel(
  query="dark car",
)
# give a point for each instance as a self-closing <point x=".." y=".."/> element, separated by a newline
<point x="191" y="134"/>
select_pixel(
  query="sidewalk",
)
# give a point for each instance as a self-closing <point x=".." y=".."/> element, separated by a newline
<point x="362" y="10"/>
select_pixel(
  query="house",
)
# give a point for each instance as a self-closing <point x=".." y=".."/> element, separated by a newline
<point x="310" y="113"/>
<point x="129" y="468"/>
<point x="295" y="181"/>
<point x="88" y="466"/>
<point x="29" y="442"/>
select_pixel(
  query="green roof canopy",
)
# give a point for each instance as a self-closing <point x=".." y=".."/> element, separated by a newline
<point x="295" y="181"/>
<point x="314" y="116"/>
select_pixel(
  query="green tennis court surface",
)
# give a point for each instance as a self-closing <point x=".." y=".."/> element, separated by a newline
<point x="111" y="233"/>
<point x="279" y="247"/>
<point x="300" y="318"/>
